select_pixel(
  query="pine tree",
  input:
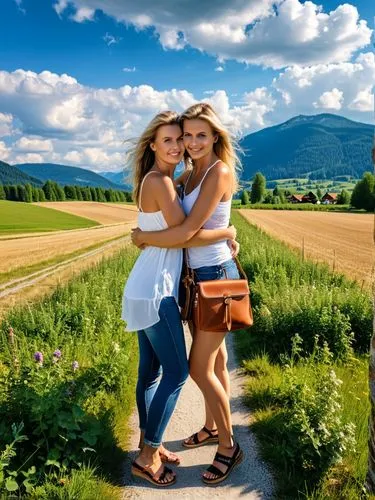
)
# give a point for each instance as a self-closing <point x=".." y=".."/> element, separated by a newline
<point x="2" y="193"/>
<point x="343" y="198"/>
<point x="245" y="198"/>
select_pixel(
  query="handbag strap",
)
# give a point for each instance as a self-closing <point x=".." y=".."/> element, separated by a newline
<point x="240" y="269"/>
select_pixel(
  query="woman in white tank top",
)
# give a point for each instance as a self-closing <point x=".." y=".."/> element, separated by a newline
<point x="150" y="294"/>
<point x="208" y="191"/>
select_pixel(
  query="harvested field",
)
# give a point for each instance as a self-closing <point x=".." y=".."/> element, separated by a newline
<point x="344" y="241"/>
<point x="105" y="213"/>
<point x="24" y="252"/>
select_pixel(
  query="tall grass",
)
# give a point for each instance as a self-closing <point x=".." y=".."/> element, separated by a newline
<point x="73" y="407"/>
<point x="329" y="314"/>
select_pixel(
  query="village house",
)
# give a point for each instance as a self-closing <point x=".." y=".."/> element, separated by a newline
<point x="329" y="198"/>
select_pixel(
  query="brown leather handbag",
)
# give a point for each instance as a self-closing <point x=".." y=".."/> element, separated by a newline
<point x="218" y="305"/>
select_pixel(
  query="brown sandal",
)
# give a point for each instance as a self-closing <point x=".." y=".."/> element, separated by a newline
<point x="142" y="472"/>
<point x="230" y="462"/>
<point x="211" y="438"/>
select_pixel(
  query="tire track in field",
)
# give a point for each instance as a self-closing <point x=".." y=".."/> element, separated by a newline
<point x="16" y="285"/>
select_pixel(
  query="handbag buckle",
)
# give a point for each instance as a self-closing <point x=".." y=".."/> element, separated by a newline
<point x="227" y="300"/>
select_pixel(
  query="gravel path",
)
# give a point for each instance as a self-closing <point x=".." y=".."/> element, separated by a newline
<point x="251" y="479"/>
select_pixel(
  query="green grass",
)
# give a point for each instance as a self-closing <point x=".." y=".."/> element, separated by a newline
<point x="16" y="217"/>
<point x="82" y="319"/>
<point x="291" y="296"/>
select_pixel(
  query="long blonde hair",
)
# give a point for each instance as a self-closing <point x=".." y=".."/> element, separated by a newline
<point x="140" y="156"/>
<point x="225" y="146"/>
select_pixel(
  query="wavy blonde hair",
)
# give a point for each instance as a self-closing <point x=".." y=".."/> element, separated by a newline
<point x="140" y="157"/>
<point x="225" y="147"/>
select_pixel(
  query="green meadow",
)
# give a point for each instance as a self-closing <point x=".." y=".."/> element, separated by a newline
<point x="16" y="217"/>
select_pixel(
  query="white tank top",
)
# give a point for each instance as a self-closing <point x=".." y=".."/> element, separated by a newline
<point x="215" y="253"/>
<point x="155" y="275"/>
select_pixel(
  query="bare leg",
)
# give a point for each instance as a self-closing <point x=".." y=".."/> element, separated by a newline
<point x="221" y="371"/>
<point x="203" y="355"/>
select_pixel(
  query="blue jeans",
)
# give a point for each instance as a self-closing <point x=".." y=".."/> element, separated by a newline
<point x="227" y="270"/>
<point x="162" y="351"/>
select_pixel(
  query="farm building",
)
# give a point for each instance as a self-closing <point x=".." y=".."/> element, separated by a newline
<point x="329" y="198"/>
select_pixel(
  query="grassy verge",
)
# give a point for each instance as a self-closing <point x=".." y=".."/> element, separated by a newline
<point x="17" y="217"/>
<point x="311" y="207"/>
<point x="306" y="361"/>
<point x="66" y="411"/>
<point x="24" y="271"/>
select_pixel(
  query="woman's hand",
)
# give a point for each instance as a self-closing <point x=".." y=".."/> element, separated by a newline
<point x="136" y="236"/>
<point x="232" y="233"/>
<point x="234" y="247"/>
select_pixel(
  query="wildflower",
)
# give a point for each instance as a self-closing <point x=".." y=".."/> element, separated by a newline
<point x="11" y="335"/>
<point x="116" y="347"/>
<point x="57" y="354"/>
<point x="75" y="365"/>
<point x="38" y="356"/>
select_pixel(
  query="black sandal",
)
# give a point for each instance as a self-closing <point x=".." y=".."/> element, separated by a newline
<point x="211" y="438"/>
<point x="142" y="472"/>
<point x="230" y="462"/>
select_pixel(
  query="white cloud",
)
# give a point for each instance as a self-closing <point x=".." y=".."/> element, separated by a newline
<point x="111" y="40"/>
<point x="301" y="87"/>
<point x="26" y="144"/>
<point x="129" y="70"/>
<point x="29" y="158"/>
<point x="330" y="100"/>
<point x="6" y="120"/>
<point x="271" y="33"/>
<point x="4" y="151"/>
<point x="62" y="121"/>
<point x="219" y="68"/>
<point x="364" y="100"/>
<point x="84" y="14"/>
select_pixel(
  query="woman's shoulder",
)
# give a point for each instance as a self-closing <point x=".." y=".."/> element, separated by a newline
<point x="220" y="171"/>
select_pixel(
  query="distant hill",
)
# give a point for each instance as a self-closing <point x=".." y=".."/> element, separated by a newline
<point x="117" y="178"/>
<point x="9" y="174"/>
<point x="320" y="146"/>
<point x="63" y="174"/>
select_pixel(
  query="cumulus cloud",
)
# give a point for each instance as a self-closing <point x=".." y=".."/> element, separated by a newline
<point x="330" y="100"/>
<point x="129" y="70"/>
<point x="347" y="84"/>
<point x="6" y="120"/>
<point x="34" y="145"/>
<point x="4" y="151"/>
<point x="60" y="120"/>
<point x="219" y="68"/>
<point x="249" y="31"/>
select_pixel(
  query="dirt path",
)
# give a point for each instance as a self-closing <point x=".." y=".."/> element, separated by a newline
<point x="250" y="480"/>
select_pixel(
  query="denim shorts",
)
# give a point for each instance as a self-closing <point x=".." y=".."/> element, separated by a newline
<point x="227" y="270"/>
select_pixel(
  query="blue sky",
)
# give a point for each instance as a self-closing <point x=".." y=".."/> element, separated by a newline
<point x="79" y="76"/>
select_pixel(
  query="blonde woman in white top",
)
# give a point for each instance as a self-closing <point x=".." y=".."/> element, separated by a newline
<point x="208" y="193"/>
<point x="150" y="295"/>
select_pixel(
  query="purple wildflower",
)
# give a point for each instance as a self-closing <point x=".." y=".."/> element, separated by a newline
<point x="38" y="356"/>
<point x="75" y="365"/>
<point x="57" y="354"/>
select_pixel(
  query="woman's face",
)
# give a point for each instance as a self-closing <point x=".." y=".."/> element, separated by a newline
<point x="199" y="138"/>
<point x="168" y="145"/>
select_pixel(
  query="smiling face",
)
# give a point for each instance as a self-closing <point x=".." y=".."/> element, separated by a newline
<point x="199" y="138"/>
<point x="168" y="145"/>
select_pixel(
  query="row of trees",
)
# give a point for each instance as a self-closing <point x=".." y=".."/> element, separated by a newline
<point x="51" y="191"/>
<point x="363" y="195"/>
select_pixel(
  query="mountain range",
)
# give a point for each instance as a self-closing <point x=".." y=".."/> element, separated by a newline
<point x="321" y="146"/>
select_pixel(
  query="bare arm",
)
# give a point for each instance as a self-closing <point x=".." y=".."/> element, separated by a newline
<point x="205" y="237"/>
<point x="213" y="188"/>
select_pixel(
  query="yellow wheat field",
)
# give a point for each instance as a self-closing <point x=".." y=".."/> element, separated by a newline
<point x="105" y="213"/>
<point x="24" y="252"/>
<point x="343" y="240"/>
